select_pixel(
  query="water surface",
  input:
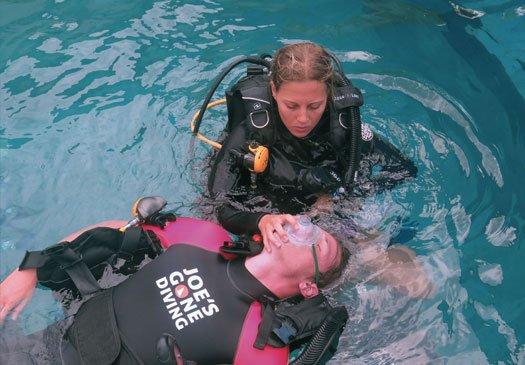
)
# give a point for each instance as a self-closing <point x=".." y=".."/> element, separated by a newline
<point x="96" y="99"/>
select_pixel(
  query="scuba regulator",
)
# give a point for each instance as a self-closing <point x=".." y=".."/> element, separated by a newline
<point x="254" y="158"/>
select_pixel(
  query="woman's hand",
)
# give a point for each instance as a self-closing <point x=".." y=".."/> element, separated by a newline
<point x="15" y="292"/>
<point x="272" y="231"/>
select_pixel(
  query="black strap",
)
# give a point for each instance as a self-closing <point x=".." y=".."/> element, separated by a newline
<point x="33" y="260"/>
<point x="130" y="242"/>
<point x="265" y="327"/>
<point x="94" y="333"/>
<point x="160" y="219"/>
<point x="76" y="268"/>
<point x="68" y="260"/>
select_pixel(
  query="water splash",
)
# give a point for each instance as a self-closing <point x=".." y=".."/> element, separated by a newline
<point x="491" y="274"/>
<point x="489" y="314"/>
<point x="466" y="12"/>
<point x="7" y="245"/>
<point x="498" y="234"/>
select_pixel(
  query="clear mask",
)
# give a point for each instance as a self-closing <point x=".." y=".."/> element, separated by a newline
<point x="308" y="233"/>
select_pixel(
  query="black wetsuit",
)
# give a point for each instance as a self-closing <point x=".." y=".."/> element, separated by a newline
<point x="195" y="295"/>
<point x="201" y="300"/>
<point x="299" y="169"/>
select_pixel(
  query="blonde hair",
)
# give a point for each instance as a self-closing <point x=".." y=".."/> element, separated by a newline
<point x="303" y="61"/>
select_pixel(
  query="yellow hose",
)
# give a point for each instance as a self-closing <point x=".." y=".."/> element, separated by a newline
<point x="200" y="136"/>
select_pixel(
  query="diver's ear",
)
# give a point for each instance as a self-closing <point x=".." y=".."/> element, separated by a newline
<point x="274" y="90"/>
<point x="308" y="289"/>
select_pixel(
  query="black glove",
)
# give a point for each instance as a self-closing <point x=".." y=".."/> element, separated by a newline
<point x="319" y="179"/>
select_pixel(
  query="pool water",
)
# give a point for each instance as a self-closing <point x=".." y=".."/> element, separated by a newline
<point x="96" y="99"/>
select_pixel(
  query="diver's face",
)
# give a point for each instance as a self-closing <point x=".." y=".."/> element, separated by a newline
<point x="328" y="252"/>
<point x="302" y="258"/>
<point x="301" y="105"/>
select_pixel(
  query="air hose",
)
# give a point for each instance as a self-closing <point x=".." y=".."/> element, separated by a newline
<point x="320" y="343"/>
<point x="354" y="153"/>
<point x="355" y="148"/>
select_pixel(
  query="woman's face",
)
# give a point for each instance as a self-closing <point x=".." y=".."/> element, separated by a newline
<point x="301" y="105"/>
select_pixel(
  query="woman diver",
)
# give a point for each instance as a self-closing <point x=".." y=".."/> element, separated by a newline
<point x="306" y="113"/>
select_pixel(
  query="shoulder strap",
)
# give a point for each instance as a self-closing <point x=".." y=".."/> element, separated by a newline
<point x="245" y="246"/>
<point x="291" y="319"/>
<point x="267" y="323"/>
<point x="96" y="316"/>
<point x="250" y="99"/>
<point x="130" y="242"/>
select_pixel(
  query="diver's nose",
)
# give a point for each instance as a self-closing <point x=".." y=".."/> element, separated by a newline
<point x="302" y="116"/>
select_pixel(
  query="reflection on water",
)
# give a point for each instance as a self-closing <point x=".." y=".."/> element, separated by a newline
<point x="95" y="104"/>
<point x="440" y="103"/>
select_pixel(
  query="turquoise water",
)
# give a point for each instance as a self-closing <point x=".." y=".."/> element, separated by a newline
<point x="96" y="99"/>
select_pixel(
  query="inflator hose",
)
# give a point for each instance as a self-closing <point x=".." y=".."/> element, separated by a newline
<point x="325" y="335"/>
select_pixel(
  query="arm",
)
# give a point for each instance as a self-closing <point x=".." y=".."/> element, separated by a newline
<point x="15" y="292"/>
<point x="397" y="266"/>
<point x="225" y="177"/>
<point x="269" y="225"/>
<point x="237" y="221"/>
<point x="245" y="210"/>
<point x="394" y="167"/>
<point x="18" y="288"/>
<point x="234" y="213"/>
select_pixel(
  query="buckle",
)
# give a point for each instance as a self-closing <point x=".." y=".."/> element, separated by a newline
<point x="286" y="332"/>
<point x="263" y="122"/>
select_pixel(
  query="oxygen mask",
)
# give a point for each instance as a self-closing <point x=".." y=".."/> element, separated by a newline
<point x="306" y="235"/>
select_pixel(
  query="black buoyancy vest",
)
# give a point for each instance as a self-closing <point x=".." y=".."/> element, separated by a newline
<point x="202" y="302"/>
<point x="250" y="99"/>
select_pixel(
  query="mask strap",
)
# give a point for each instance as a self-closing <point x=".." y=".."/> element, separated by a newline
<point x="316" y="265"/>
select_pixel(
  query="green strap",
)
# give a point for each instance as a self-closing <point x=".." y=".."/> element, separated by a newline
<point x="316" y="265"/>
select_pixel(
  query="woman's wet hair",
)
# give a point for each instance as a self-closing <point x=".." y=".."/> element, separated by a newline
<point x="304" y="61"/>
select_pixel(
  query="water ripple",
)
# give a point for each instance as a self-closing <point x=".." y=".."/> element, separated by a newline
<point x="442" y="103"/>
<point x="498" y="234"/>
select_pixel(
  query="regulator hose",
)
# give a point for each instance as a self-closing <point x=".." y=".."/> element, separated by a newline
<point x="354" y="153"/>
<point x="255" y="60"/>
<point x="355" y="148"/>
<point x="320" y="343"/>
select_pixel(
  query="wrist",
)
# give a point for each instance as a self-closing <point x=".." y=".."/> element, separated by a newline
<point x="260" y="220"/>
